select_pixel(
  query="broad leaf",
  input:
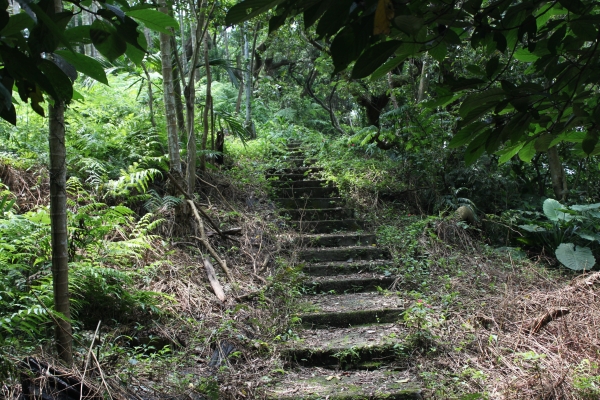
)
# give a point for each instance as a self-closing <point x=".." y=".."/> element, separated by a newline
<point x="106" y="40"/>
<point x="248" y="9"/>
<point x="154" y="20"/>
<point x="553" y="211"/>
<point x="84" y="64"/>
<point x="576" y="258"/>
<point x="373" y="57"/>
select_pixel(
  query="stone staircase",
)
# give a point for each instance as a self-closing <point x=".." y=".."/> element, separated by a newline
<point x="350" y="345"/>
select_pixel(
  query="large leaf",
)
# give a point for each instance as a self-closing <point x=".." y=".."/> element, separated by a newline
<point x="154" y="20"/>
<point x="85" y="64"/>
<point x="107" y="40"/>
<point x="553" y="211"/>
<point x="576" y="258"/>
<point x="373" y="57"/>
<point x="248" y="9"/>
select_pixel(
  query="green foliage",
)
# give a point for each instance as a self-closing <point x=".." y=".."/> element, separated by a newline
<point x="571" y="232"/>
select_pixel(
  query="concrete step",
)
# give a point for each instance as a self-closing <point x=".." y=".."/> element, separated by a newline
<point x="343" y="254"/>
<point x="317" y="384"/>
<point x="310" y="203"/>
<point x="308" y="192"/>
<point x="319" y="214"/>
<point x="337" y="268"/>
<point x="328" y="226"/>
<point x="350" y="309"/>
<point x="357" y="347"/>
<point x="333" y="239"/>
<point x="300" y="184"/>
<point x="354" y="283"/>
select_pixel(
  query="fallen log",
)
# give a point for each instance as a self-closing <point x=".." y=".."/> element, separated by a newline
<point x="212" y="278"/>
<point x="545" y="319"/>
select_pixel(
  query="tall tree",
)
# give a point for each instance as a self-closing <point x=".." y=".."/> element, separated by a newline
<point x="169" y="99"/>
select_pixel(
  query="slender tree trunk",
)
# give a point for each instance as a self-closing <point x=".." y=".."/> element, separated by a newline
<point x="424" y="82"/>
<point x="206" y="106"/>
<point x="58" y="225"/>
<point x="392" y="95"/>
<point x="248" y="83"/>
<point x="238" y="103"/>
<point x="177" y="82"/>
<point x="557" y="174"/>
<point x="169" y="99"/>
<point x="150" y="95"/>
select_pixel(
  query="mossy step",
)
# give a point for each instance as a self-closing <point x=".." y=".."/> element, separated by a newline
<point x="318" y="214"/>
<point x="328" y="226"/>
<point x="358" y="347"/>
<point x="292" y="171"/>
<point x="350" y="309"/>
<point x="343" y="254"/>
<point x="332" y="239"/>
<point x="308" y="191"/>
<point x="319" y="384"/>
<point x="300" y="184"/>
<point x="288" y="176"/>
<point x="346" y="268"/>
<point x="310" y="203"/>
<point x="365" y="282"/>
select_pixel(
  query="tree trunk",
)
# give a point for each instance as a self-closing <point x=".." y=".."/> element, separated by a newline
<point x="424" y="82"/>
<point x="177" y="79"/>
<point x="206" y="106"/>
<point x="58" y="225"/>
<point x="169" y="100"/>
<point x="238" y="103"/>
<point x="248" y="82"/>
<point x="190" y="96"/>
<point x="150" y="96"/>
<point x="557" y="174"/>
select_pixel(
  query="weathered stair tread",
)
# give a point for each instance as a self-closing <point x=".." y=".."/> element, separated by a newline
<point x="351" y="309"/>
<point x="299" y="184"/>
<point x="320" y="383"/>
<point x="328" y="226"/>
<point x="310" y="203"/>
<point x="326" y="303"/>
<point x="336" y="239"/>
<point x="345" y="268"/>
<point x="364" y="347"/>
<point x="349" y="253"/>
<point x="316" y="214"/>
<point x="318" y="191"/>
<point x="352" y="283"/>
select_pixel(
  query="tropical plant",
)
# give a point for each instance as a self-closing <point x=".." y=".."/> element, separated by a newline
<point x="571" y="232"/>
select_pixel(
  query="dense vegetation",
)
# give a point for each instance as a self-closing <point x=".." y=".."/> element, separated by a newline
<point x="413" y="110"/>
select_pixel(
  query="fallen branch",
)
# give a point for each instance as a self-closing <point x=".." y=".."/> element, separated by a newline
<point x="206" y="243"/>
<point x="545" y="319"/>
<point x="218" y="191"/>
<point x="190" y="199"/>
<point x="212" y="278"/>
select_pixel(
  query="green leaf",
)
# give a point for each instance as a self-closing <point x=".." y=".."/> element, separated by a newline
<point x="589" y="143"/>
<point x="439" y="52"/>
<point x="478" y="104"/>
<point x="249" y="9"/>
<point x="134" y="54"/>
<point x="106" y="40"/>
<point x="59" y="81"/>
<point x="509" y="152"/>
<point x="409" y="24"/>
<point x="525" y="55"/>
<point x="585" y="207"/>
<point x="476" y="148"/>
<point x="84" y="64"/>
<point x="576" y="258"/>
<point x="16" y="24"/>
<point x="373" y="57"/>
<point x="532" y="228"/>
<point x="552" y="210"/>
<point x="154" y="20"/>
<point x="388" y="66"/>
<point x="527" y="153"/>
<point x="466" y="134"/>
<point x="542" y="143"/>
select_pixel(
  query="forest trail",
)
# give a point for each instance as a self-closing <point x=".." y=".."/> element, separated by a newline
<point x="350" y="346"/>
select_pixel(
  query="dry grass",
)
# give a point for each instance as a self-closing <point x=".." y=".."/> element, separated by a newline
<point x="514" y="329"/>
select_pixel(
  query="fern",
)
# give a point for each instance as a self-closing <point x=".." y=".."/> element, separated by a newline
<point x="132" y="179"/>
<point x="158" y="204"/>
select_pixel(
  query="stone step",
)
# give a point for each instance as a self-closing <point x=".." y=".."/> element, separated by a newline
<point x="343" y="254"/>
<point x="354" y="283"/>
<point x="300" y="184"/>
<point x="310" y="203"/>
<point x="358" y="347"/>
<point x="319" y="214"/>
<point x="318" y="384"/>
<point x="346" y="268"/>
<point x="328" y="226"/>
<point x="332" y="239"/>
<point x="308" y="192"/>
<point x="350" y="309"/>
<point x="282" y="172"/>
